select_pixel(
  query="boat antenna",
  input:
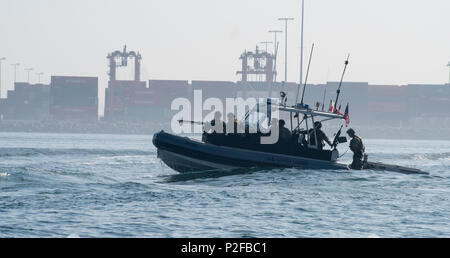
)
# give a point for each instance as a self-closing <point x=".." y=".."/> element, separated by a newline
<point x="324" y="94"/>
<point x="307" y="74"/>
<point x="275" y="63"/>
<point x="301" y="53"/>
<point x="342" y="78"/>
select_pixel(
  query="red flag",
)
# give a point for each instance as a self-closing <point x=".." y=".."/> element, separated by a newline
<point x="347" y="117"/>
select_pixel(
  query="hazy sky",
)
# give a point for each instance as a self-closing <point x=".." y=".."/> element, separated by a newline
<point x="390" y="41"/>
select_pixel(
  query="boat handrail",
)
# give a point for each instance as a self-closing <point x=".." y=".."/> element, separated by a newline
<point x="310" y="112"/>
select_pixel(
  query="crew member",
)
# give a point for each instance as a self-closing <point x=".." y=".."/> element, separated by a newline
<point x="216" y="125"/>
<point x="357" y="146"/>
<point x="285" y="134"/>
<point x="321" y="136"/>
<point x="233" y="126"/>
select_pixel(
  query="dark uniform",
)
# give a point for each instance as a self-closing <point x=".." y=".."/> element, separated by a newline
<point x="357" y="146"/>
<point x="284" y="134"/>
<point x="212" y="127"/>
<point x="234" y="126"/>
<point x="321" y="136"/>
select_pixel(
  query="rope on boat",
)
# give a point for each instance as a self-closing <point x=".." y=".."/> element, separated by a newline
<point x="343" y="154"/>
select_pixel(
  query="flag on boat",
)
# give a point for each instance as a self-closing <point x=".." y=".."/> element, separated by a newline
<point x="331" y="106"/>
<point x="338" y="111"/>
<point x="347" y="117"/>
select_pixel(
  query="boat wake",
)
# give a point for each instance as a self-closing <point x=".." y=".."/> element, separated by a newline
<point x="431" y="156"/>
<point x="31" y="152"/>
<point x="426" y="156"/>
<point x="214" y="173"/>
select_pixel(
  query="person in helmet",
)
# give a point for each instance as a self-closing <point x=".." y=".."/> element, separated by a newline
<point x="358" y="149"/>
<point x="321" y="136"/>
<point x="285" y="134"/>
<point x="216" y="126"/>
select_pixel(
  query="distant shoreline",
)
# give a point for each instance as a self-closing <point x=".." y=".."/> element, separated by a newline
<point x="133" y="128"/>
<point x="68" y="127"/>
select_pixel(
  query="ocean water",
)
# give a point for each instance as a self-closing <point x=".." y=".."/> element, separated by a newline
<point x="61" y="185"/>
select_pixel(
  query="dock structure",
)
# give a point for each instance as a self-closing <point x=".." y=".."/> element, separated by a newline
<point x="76" y="98"/>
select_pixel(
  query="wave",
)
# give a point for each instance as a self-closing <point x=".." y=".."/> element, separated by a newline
<point x="427" y="156"/>
<point x="30" y="152"/>
<point x="413" y="156"/>
<point x="431" y="156"/>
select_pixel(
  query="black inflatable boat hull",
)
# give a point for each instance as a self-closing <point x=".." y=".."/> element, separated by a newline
<point x="187" y="155"/>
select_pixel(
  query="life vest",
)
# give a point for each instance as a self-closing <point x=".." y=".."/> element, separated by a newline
<point x="357" y="145"/>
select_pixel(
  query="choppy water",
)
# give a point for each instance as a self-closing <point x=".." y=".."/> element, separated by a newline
<point x="54" y="185"/>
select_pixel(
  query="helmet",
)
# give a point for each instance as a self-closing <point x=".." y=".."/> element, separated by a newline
<point x="218" y="115"/>
<point x="351" y="131"/>
<point x="317" y="125"/>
